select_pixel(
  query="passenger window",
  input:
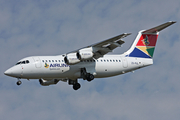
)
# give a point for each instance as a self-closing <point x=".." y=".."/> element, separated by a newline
<point x="107" y="60"/>
<point x="97" y="60"/>
<point x="119" y="60"/>
<point x="56" y="60"/>
<point x="59" y="61"/>
<point x="110" y="60"/>
<point x="46" y="61"/>
<point x="116" y="60"/>
<point x="113" y="60"/>
<point x="23" y="62"/>
<point x="101" y="60"/>
<point x="104" y="60"/>
<point x="42" y="60"/>
<point x="49" y="60"/>
<point x="62" y="60"/>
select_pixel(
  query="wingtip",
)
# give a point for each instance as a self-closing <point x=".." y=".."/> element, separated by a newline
<point x="172" y="22"/>
<point x="128" y="33"/>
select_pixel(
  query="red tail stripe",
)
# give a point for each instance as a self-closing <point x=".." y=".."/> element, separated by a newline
<point x="151" y="38"/>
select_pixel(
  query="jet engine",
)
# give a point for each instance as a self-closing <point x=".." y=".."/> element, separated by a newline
<point x="48" y="82"/>
<point x="85" y="54"/>
<point x="71" y="59"/>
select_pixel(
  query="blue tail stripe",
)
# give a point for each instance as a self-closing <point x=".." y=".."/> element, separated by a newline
<point x="138" y="53"/>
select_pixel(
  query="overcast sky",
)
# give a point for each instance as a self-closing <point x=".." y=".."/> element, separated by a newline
<point x="54" y="27"/>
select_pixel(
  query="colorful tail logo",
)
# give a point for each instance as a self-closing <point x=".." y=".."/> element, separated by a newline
<point x="145" y="46"/>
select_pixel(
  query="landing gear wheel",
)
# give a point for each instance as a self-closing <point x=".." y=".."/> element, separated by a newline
<point x="90" y="77"/>
<point x="19" y="83"/>
<point x="76" y="86"/>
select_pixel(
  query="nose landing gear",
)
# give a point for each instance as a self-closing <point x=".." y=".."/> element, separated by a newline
<point x="19" y="82"/>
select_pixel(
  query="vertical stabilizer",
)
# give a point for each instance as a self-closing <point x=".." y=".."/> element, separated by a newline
<point x="145" y="42"/>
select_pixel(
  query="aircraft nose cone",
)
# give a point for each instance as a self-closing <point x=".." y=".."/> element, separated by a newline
<point x="8" y="72"/>
<point x="14" y="71"/>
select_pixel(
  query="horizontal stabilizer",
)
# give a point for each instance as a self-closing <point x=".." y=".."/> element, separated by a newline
<point x="158" y="28"/>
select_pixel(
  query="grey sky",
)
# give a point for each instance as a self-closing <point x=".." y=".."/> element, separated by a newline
<point x="39" y="27"/>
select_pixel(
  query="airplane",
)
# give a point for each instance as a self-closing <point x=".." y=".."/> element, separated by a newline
<point x="90" y="62"/>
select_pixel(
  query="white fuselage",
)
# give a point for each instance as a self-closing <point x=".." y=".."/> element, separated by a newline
<point x="54" y="67"/>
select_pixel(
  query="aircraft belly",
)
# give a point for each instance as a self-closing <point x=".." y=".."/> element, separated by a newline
<point x="108" y="69"/>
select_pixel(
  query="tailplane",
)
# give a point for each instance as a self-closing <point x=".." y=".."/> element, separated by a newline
<point x="145" y="42"/>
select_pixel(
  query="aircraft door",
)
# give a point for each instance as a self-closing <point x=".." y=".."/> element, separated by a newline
<point x="37" y="62"/>
<point x="124" y="62"/>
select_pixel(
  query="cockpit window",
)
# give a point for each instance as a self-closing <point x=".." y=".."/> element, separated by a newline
<point x="23" y="62"/>
<point x="27" y="61"/>
<point x="18" y="63"/>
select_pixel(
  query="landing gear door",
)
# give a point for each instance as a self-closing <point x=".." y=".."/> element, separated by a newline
<point x="37" y="62"/>
<point x="91" y="69"/>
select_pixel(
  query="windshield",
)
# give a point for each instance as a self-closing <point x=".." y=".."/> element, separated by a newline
<point x="23" y="62"/>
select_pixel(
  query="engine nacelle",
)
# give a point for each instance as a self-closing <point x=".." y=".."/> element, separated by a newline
<point x="71" y="59"/>
<point x="48" y="82"/>
<point x="85" y="54"/>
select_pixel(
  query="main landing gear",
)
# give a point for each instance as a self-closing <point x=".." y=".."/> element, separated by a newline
<point x="75" y="84"/>
<point x="86" y="76"/>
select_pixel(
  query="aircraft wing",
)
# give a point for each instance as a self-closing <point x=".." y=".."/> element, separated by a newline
<point x="103" y="47"/>
<point x="108" y="45"/>
<point x="95" y="50"/>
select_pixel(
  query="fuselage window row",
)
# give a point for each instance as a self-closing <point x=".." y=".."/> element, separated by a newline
<point x="82" y="61"/>
<point x="52" y="60"/>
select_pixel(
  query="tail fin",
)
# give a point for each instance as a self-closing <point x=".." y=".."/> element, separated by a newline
<point x="144" y="45"/>
<point x="145" y="42"/>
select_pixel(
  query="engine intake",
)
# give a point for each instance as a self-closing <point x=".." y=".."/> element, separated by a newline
<point x="48" y="82"/>
<point x="85" y="54"/>
<point x="71" y="59"/>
